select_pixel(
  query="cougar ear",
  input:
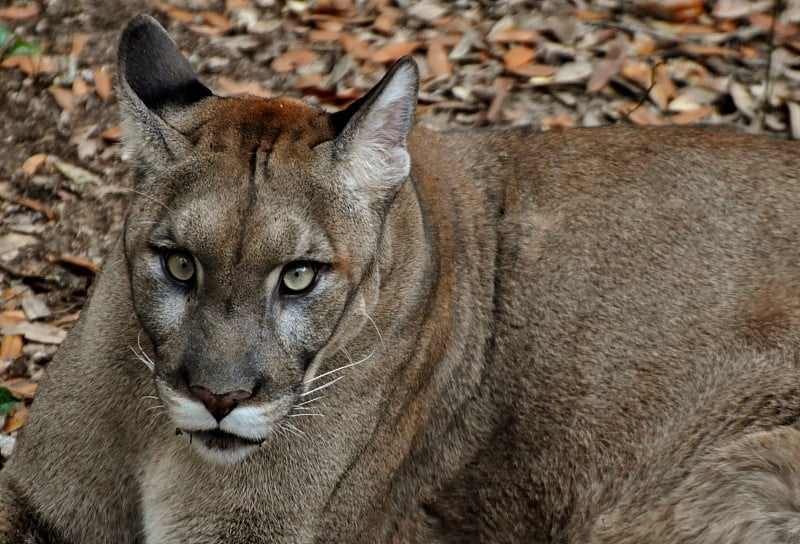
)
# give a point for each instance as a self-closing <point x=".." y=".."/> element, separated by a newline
<point x="154" y="80"/>
<point x="372" y="141"/>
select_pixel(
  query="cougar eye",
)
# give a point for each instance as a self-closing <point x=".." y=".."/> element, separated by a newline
<point x="180" y="265"/>
<point x="298" y="276"/>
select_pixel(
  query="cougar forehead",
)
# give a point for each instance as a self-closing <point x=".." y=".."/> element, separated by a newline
<point x="249" y="124"/>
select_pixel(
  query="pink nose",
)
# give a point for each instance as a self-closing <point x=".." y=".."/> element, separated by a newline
<point x="219" y="405"/>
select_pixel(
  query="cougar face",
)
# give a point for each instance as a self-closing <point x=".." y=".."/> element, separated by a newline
<point x="238" y="321"/>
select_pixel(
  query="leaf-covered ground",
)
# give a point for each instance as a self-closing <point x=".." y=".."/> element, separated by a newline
<point x="551" y="65"/>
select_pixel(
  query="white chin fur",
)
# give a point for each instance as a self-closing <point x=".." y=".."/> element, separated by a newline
<point x="190" y="414"/>
<point x="247" y="422"/>
<point x="223" y="457"/>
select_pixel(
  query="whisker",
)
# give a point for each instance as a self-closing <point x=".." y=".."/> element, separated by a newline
<point x="309" y="401"/>
<point x="151" y="397"/>
<point x="333" y="381"/>
<point x="291" y="428"/>
<point x="150" y="363"/>
<point x="380" y="336"/>
<point x="156" y="407"/>
<point x="307" y="415"/>
<point x="144" y="358"/>
<point x="343" y="367"/>
<point x="142" y="355"/>
<point x="155" y="417"/>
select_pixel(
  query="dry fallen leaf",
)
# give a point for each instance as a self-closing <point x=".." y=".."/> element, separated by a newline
<point x="23" y="388"/>
<point x="502" y="87"/>
<point x="76" y="174"/>
<point x="663" y="89"/>
<point x="573" y="72"/>
<point x="680" y="11"/>
<point x="692" y="116"/>
<point x="11" y="317"/>
<point x="394" y="51"/>
<point x="742" y="99"/>
<point x="180" y="15"/>
<point x="35" y="308"/>
<point x="34" y="205"/>
<point x="437" y="59"/>
<point x="67" y="319"/>
<point x="19" y="13"/>
<point x="15" y="240"/>
<point x="426" y="10"/>
<point x="230" y="5"/>
<point x="323" y="36"/>
<point x="217" y="20"/>
<point x="293" y="58"/>
<point x="518" y="56"/>
<point x="29" y="64"/>
<point x="102" y="83"/>
<point x="641" y="114"/>
<point x="637" y="71"/>
<point x="355" y="47"/>
<point x="587" y="15"/>
<point x="64" y="98"/>
<point x="37" y="332"/>
<point x="74" y="261"/>
<point x="33" y="163"/>
<point x="308" y="81"/>
<point x="535" y="71"/>
<point x="10" y="347"/>
<point x="608" y="67"/>
<point x="79" y="87"/>
<point x="233" y="88"/>
<point x="112" y="133"/>
<point x="78" y="44"/>
<point x="644" y="44"/>
<point x="385" y="22"/>
<point x="692" y="98"/>
<point x="765" y="22"/>
<point x="16" y="418"/>
<point x="794" y="119"/>
<point x="732" y="9"/>
<point x="709" y="50"/>
<point x="516" y="35"/>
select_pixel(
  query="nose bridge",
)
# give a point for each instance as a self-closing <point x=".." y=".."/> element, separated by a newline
<point x="223" y="353"/>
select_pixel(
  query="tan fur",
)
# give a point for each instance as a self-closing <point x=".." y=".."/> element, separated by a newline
<point x="579" y="336"/>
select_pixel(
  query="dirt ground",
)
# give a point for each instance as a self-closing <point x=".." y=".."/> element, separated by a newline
<point x="64" y="185"/>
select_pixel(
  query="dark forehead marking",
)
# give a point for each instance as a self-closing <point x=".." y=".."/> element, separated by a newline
<point x="249" y="205"/>
<point x="244" y="125"/>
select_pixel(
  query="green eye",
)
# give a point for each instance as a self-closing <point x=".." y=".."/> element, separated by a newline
<point x="298" y="276"/>
<point x="180" y="265"/>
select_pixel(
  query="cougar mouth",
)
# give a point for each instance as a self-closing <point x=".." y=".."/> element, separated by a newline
<point x="220" y="446"/>
<point x="217" y="439"/>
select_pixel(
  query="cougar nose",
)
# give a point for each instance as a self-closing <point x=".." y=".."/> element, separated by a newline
<point x="219" y="405"/>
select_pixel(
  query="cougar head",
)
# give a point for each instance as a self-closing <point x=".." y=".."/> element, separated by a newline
<point x="252" y="236"/>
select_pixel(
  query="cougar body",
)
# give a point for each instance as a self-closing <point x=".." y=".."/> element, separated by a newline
<point x="341" y="328"/>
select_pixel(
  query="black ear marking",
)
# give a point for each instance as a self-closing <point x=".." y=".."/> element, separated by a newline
<point x="152" y="66"/>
